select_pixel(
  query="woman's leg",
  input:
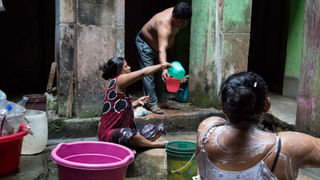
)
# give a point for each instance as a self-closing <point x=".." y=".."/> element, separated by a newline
<point x="140" y="141"/>
<point x="133" y="139"/>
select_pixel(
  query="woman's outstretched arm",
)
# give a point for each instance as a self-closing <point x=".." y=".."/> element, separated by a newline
<point x="126" y="80"/>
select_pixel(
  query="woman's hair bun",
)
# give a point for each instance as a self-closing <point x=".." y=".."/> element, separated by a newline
<point x="243" y="96"/>
<point x="112" y="67"/>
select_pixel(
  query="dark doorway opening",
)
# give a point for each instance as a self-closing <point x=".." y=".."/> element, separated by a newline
<point x="137" y="13"/>
<point x="27" y="36"/>
<point x="268" y="40"/>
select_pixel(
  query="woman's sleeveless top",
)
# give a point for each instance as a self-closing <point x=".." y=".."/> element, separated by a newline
<point x="117" y="112"/>
<point x="209" y="171"/>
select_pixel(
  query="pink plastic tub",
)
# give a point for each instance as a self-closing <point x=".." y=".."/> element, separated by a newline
<point x="94" y="160"/>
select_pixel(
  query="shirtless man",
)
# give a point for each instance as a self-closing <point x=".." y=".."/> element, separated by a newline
<point x="152" y="42"/>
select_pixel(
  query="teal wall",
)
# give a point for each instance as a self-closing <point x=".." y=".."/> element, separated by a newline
<point x="294" y="41"/>
<point x="237" y="16"/>
<point x="219" y="44"/>
<point x="201" y="82"/>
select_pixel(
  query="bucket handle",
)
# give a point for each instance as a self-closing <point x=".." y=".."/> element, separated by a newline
<point x="28" y="127"/>
<point x="2" y="123"/>
<point x="177" y="170"/>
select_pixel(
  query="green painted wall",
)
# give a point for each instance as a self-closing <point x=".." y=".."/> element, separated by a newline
<point x="237" y="16"/>
<point x="294" y="41"/>
<point x="201" y="83"/>
<point x="308" y="101"/>
<point x="219" y="44"/>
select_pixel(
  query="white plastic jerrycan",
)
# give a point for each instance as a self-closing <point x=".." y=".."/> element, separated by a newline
<point x="37" y="142"/>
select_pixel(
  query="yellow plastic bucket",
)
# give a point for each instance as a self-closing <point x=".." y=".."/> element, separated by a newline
<point x="181" y="161"/>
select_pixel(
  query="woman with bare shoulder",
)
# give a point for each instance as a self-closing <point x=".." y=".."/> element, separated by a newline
<point x="234" y="148"/>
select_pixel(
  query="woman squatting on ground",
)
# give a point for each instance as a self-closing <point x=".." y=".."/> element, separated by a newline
<point x="117" y="120"/>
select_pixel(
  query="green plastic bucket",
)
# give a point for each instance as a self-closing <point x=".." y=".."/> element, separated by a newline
<point x="181" y="161"/>
<point x="176" y="70"/>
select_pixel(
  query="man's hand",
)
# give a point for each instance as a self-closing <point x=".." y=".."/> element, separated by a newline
<point x="164" y="67"/>
<point x="164" y="74"/>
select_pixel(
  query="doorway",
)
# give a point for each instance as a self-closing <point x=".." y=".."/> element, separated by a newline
<point x="137" y="13"/>
<point x="267" y="50"/>
<point x="27" y="36"/>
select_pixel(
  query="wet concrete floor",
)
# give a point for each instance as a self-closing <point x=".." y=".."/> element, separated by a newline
<point x="41" y="167"/>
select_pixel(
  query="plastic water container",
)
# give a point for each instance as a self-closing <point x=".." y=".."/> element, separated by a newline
<point x="10" y="149"/>
<point x="11" y="124"/>
<point x="181" y="161"/>
<point x="183" y="93"/>
<point x="36" y="101"/>
<point x="37" y="142"/>
<point x="172" y="84"/>
<point x="3" y="98"/>
<point x="176" y="70"/>
<point x="88" y="160"/>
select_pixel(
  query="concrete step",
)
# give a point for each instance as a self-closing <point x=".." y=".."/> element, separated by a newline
<point x="176" y="121"/>
<point x="186" y="119"/>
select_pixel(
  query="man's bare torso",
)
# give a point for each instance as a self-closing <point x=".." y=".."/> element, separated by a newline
<point x="159" y="22"/>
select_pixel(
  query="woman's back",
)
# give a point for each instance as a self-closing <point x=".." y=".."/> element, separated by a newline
<point x="240" y="146"/>
<point x="236" y="150"/>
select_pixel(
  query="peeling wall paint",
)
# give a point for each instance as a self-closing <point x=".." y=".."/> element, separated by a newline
<point x="100" y="37"/>
<point x="308" y="103"/>
<point x="65" y="52"/>
<point x="99" y="13"/>
<point x="219" y="45"/>
<point x="89" y="33"/>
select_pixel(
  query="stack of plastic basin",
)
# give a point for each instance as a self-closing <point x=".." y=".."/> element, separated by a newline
<point x="10" y="149"/>
<point x="88" y="160"/>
